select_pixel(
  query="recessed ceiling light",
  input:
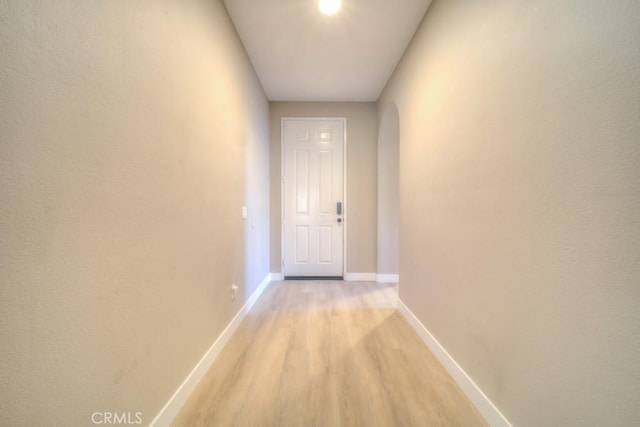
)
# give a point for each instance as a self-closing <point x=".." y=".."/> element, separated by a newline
<point x="329" y="7"/>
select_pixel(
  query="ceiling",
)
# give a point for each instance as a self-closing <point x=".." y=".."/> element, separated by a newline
<point x="301" y="55"/>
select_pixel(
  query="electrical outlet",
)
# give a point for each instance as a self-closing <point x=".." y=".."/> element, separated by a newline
<point x="234" y="291"/>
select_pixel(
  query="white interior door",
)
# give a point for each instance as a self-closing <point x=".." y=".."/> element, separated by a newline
<point x="313" y="183"/>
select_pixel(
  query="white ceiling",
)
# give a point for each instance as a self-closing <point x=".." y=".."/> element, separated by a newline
<point x="302" y="55"/>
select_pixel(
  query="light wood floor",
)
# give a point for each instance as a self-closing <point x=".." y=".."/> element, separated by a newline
<point x="316" y="353"/>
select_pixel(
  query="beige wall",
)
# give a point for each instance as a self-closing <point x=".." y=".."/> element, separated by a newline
<point x="520" y="201"/>
<point x="129" y="133"/>
<point x="361" y="177"/>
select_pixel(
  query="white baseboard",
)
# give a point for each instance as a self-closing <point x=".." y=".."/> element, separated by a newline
<point x="277" y="277"/>
<point x="356" y="277"/>
<point x="488" y="410"/>
<point x="179" y="398"/>
<point x="387" y="278"/>
<point x="360" y="277"/>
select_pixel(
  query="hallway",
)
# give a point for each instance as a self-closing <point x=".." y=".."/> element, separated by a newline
<point x="327" y="353"/>
<point x="491" y="169"/>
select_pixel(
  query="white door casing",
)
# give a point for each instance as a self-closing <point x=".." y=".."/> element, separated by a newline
<point x="313" y="186"/>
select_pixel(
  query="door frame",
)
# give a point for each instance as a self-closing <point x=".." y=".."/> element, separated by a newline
<point x="345" y="218"/>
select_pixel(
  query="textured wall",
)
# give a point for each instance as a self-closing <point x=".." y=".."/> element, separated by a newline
<point x="361" y="176"/>
<point x="520" y="201"/>
<point x="129" y="133"/>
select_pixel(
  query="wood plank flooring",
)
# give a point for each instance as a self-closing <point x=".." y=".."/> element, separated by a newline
<point x="327" y="353"/>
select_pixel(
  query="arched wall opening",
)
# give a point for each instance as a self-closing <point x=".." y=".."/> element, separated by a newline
<point x="389" y="195"/>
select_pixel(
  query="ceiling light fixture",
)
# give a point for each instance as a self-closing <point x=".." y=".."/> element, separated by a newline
<point x="329" y="7"/>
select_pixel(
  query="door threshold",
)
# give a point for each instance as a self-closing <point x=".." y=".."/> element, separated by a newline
<point x="313" y="278"/>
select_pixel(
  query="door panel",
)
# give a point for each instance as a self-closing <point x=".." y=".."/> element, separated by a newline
<point x="326" y="201"/>
<point x="302" y="244"/>
<point x="313" y="154"/>
<point x="302" y="182"/>
<point x="325" y="244"/>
